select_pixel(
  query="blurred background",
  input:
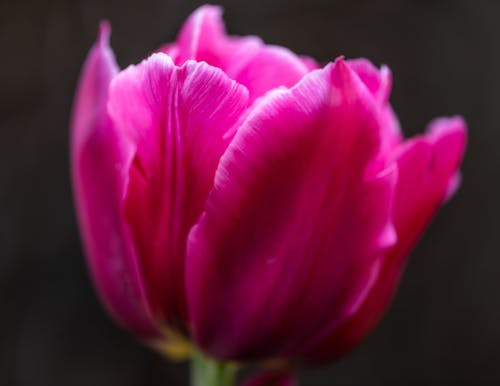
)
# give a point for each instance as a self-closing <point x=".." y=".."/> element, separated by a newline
<point x="444" y="325"/>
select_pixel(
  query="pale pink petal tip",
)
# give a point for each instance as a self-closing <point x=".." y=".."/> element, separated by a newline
<point x="452" y="132"/>
<point x="210" y="10"/>
<point x="104" y="32"/>
<point x="339" y="59"/>
<point x="443" y="126"/>
<point x="453" y="186"/>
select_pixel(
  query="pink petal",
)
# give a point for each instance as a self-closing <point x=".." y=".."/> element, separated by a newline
<point x="427" y="166"/>
<point x="100" y="161"/>
<point x="379" y="82"/>
<point x="310" y="63"/>
<point x="294" y="226"/>
<point x="201" y="35"/>
<point x="247" y="60"/>
<point x="177" y="119"/>
<point x="272" y="378"/>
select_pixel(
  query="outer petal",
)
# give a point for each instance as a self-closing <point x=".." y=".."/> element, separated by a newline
<point x="176" y="118"/>
<point x="293" y="227"/>
<point x="100" y="161"/>
<point x="272" y="378"/>
<point x="427" y="167"/>
<point x="247" y="60"/>
<point x="379" y="82"/>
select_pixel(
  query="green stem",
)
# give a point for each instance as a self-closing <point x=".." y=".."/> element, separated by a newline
<point x="209" y="372"/>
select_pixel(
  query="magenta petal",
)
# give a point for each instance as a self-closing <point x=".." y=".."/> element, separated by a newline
<point x="201" y="36"/>
<point x="268" y="68"/>
<point x="294" y="226"/>
<point x="247" y="60"/>
<point x="427" y="172"/>
<point x="379" y="82"/>
<point x="430" y="166"/>
<point x="100" y="162"/>
<point x="177" y="119"/>
<point x="272" y="378"/>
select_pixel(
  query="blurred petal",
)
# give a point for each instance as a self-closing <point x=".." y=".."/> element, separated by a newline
<point x="293" y="228"/>
<point x="100" y="162"/>
<point x="272" y="378"/>
<point x="176" y="118"/>
<point x="247" y="60"/>
<point x="310" y="63"/>
<point x="427" y="168"/>
<point x="379" y="82"/>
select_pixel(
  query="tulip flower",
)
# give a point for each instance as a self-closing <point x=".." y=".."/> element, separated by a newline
<point x="239" y="203"/>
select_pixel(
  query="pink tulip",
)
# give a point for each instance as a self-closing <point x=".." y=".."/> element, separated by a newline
<point x="240" y="196"/>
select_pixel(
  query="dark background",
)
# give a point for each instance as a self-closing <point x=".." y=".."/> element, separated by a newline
<point x="444" y="326"/>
